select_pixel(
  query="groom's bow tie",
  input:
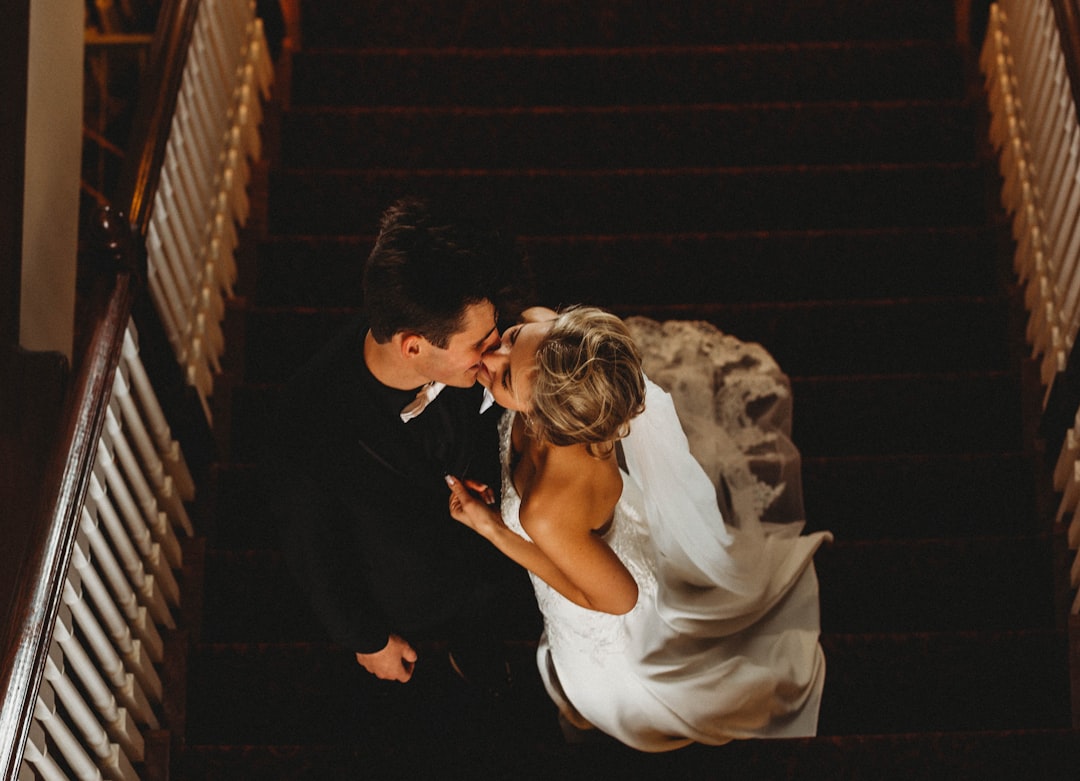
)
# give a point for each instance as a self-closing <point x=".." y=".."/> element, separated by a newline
<point x="485" y="405"/>
<point x="424" y="396"/>
<point x="427" y="394"/>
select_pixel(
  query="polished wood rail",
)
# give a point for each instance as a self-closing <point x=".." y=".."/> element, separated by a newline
<point x="48" y="499"/>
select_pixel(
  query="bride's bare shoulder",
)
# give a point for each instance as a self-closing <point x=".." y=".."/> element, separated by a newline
<point x="573" y="488"/>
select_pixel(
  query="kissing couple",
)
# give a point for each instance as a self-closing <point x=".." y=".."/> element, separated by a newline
<point x="640" y="474"/>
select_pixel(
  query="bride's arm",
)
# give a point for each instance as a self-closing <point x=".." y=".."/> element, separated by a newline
<point x="565" y="555"/>
<point x="566" y="539"/>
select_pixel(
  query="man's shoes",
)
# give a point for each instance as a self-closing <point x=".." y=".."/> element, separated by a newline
<point x="483" y="665"/>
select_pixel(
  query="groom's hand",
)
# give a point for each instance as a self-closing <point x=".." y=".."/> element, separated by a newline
<point x="395" y="662"/>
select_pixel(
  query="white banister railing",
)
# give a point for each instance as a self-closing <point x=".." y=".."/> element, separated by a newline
<point x="126" y="621"/>
<point x="119" y="589"/>
<point x="98" y="655"/>
<point x="152" y="437"/>
<point x="1035" y="131"/>
<point x="201" y="197"/>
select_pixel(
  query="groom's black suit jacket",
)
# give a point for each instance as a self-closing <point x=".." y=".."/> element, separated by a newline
<point x="361" y="502"/>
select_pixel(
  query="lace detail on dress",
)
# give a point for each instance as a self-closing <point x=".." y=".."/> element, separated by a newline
<point x="569" y="626"/>
<point x="734" y="404"/>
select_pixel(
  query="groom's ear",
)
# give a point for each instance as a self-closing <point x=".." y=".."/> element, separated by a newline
<point x="410" y="345"/>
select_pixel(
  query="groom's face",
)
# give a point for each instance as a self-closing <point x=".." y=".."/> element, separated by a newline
<point x="458" y="363"/>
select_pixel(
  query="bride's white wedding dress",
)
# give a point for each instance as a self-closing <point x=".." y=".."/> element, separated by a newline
<point x="723" y="640"/>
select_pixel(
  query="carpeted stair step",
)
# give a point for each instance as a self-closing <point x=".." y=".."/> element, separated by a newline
<point x="887" y="683"/>
<point x="851" y="338"/>
<point x="802" y="174"/>
<point x="324" y="271"/>
<point x="868" y="416"/>
<point x="316" y="692"/>
<point x="983" y="583"/>
<point x="827" y="338"/>
<point x="926" y="682"/>
<point x="930" y="756"/>
<point x="254" y="599"/>
<point x="892" y="496"/>
<point x="595" y="76"/>
<point x="897" y="496"/>
<point x="615" y="22"/>
<point x="629" y="136"/>
<point x="954" y="412"/>
<point x="236" y="496"/>
<point x="938" y="585"/>
<point x="682" y="200"/>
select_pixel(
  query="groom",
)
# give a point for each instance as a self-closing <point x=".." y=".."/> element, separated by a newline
<point x="363" y="443"/>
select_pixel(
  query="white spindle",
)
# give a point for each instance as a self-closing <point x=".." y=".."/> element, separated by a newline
<point x="37" y="749"/>
<point x="226" y="235"/>
<point x="1035" y="130"/>
<point x="120" y="586"/>
<point x="193" y="125"/>
<point x="71" y="749"/>
<point x="259" y="55"/>
<point x="1067" y="208"/>
<point x="25" y="771"/>
<point x="213" y="305"/>
<point x="123" y="684"/>
<point x="152" y="467"/>
<point x="139" y="533"/>
<point x="154" y="519"/>
<point x="117" y="649"/>
<point x="167" y="447"/>
<point x="176" y="253"/>
<point x="112" y="762"/>
<point x="175" y="209"/>
<point x="215" y="69"/>
<point x="129" y="681"/>
<point x="118" y="726"/>
<point x="142" y="581"/>
<point x="190" y="201"/>
<point x="163" y="286"/>
<point x="203" y="185"/>
<point x="124" y="599"/>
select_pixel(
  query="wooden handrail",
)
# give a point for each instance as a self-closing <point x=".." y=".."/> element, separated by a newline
<point x="26" y="631"/>
<point x="40" y="580"/>
<point x="153" y="117"/>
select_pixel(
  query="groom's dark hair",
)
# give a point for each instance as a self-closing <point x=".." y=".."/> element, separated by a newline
<point x="428" y="267"/>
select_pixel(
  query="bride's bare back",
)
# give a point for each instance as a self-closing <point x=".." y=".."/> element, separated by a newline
<point x="568" y="497"/>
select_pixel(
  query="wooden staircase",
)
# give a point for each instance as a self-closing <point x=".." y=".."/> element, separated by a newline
<point x="808" y="175"/>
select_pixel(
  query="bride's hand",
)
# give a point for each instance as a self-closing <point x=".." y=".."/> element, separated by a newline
<point x="470" y="510"/>
<point x="481" y="490"/>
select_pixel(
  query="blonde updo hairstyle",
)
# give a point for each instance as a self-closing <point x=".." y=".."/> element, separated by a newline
<point x="588" y="384"/>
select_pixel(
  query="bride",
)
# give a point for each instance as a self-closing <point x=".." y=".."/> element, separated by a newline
<point x="667" y="619"/>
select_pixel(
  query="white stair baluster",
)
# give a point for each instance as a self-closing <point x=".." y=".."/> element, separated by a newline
<point x="117" y="724"/>
<point x="74" y="755"/>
